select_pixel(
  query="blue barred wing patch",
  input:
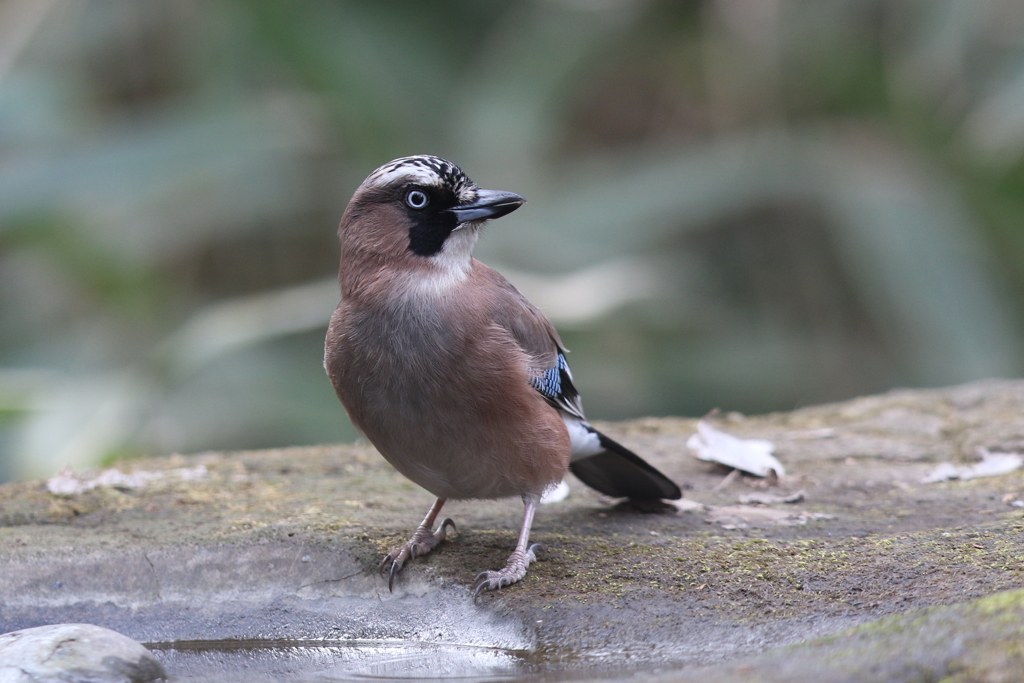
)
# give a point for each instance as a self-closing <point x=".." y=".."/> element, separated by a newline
<point x="550" y="382"/>
<point x="555" y="384"/>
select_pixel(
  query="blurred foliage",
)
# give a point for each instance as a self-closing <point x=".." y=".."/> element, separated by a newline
<point x="749" y="204"/>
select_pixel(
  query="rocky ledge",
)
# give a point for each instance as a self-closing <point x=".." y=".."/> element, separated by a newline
<point x="877" y="575"/>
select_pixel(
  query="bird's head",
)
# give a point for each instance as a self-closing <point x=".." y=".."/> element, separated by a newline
<point x="420" y="212"/>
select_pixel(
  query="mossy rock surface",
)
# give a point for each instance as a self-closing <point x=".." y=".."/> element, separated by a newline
<point x="285" y="544"/>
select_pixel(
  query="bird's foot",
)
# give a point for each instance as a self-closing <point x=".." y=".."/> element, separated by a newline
<point x="513" y="571"/>
<point x="422" y="542"/>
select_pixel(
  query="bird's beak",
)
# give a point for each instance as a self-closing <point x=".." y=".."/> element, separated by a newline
<point x="488" y="204"/>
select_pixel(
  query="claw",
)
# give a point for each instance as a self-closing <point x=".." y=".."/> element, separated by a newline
<point x="511" y="573"/>
<point x="395" y="568"/>
<point x="515" y="569"/>
<point x="442" y="532"/>
<point x="482" y="580"/>
<point x="421" y="543"/>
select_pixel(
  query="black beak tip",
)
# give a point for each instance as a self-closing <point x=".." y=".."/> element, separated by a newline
<point x="489" y="204"/>
<point x="507" y="206"/>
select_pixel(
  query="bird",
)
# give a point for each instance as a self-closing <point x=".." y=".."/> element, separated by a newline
<point x="454" y="376"/>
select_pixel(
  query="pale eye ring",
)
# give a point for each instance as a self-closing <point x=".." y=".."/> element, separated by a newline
<point x="417" y="199"/>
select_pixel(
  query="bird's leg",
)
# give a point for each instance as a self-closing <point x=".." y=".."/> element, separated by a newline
<point x="520" y="558"/>
<point x="422" y="542"/>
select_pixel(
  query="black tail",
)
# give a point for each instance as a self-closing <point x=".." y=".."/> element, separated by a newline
<point x="621" y="473"/>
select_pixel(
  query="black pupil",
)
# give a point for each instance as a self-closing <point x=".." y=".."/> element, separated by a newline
<point x="417" y="199"/>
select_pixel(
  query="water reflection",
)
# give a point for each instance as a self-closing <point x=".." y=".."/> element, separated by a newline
<point x="257" y="661"/>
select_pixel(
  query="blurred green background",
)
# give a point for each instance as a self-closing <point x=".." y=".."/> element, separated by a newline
<point x="748" y="204"/>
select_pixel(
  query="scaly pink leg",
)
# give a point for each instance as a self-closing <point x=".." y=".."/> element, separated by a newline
<point x="520" y="558"/>
<point x="422" y="542"/>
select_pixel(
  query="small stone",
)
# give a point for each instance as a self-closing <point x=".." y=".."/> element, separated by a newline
<point x="75" y="653"/>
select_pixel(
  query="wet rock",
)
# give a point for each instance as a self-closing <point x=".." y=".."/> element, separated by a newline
<point x="976" y="641"/>
<point x="282" y="546"/>
<point x="75" y="653"/>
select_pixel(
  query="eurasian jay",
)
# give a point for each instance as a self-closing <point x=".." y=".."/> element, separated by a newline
<point x="457" y="379"/>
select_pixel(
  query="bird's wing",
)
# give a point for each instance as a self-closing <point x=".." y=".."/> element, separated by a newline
<point x="550" y="374"/>
<point x="555" y="384"/>
<point x="597" y="460"/>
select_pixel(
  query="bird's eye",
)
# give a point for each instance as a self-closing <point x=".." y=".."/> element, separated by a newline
<point x="416" y="199"/>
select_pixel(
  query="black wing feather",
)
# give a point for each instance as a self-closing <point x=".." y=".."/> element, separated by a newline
<point x="621" y="473"/>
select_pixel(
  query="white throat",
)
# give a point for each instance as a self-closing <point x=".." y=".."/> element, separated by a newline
<point x="452" y="264"/>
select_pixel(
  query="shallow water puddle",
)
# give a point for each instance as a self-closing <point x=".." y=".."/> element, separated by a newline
<point x="255" y="661"/>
